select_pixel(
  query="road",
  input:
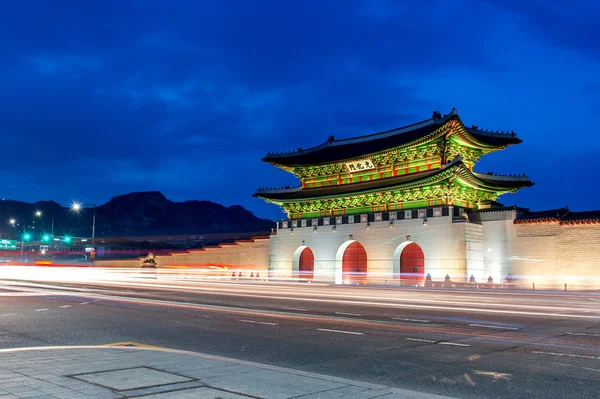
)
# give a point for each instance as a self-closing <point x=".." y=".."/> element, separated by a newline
<point x="465" y="343"/>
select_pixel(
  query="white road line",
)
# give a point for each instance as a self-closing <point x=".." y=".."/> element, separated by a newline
<point x="298" y="309"/>
<point x="84" y="303"/>
<point x="490" y="326"/>
<point x="8" y="314"/>
<point x="65" y="306"/>
<point x="566" y="355"/>
<point x="41" y="310"/>
<point x="585" y="334"/>
<point x="452" y="343"/>
<point x="260" y="322"/>
<point x="340" y="331"/>
<point x="348" y="314"/>
<point x="415" y="320"/>
<point x="421" y="340"/>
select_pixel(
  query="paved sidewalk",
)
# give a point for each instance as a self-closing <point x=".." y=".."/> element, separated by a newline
<point x="105" y="372"/>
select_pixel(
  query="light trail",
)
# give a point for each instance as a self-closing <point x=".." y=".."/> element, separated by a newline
<point x="476" y="302"/>
<point x="370" y="303"/>
<point x="340" y="331"/>
<point x="312" y="294"/>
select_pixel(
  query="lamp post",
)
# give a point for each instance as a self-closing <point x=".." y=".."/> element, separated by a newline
<point x="26" y="236"/>
<point x="12" y="222"/>
<point x="78" y="207"/>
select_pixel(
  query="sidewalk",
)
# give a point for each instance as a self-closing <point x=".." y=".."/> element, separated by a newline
<point x="121" y="371"/>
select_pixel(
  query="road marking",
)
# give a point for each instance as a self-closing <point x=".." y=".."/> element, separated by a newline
<point x="566" y="355"/>
<point x="298" y="309"/>
<point x="421" y="340"/>
<point x="41" y="310"/>
<point x="579" y="367"/>
<point x="260" y="322"/>
<point x="65" y="306"/>
<point x="134" y="344"/>
<point x="84" y="303"/>
<point x="415" y="320"/>
<point x="8" y="314"/>
<point x="452" y="343"/>
<point x="348" y="314"/>
<point x="490" y="326"/>
<point x="585" y="334"/>
<point x="340" y="331"/>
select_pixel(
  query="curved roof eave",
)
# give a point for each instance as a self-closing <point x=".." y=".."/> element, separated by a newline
<point x="459" y="168"/>
<point x="407" y="136"/>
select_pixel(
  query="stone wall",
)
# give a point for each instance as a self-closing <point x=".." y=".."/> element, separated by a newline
<point x="243" y="255"/>
<point x="551" y="254"/>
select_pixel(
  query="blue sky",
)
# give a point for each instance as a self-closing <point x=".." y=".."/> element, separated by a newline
<point x="101" y="98"/>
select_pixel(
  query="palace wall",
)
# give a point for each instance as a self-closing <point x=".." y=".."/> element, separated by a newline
<point x="242" y="255"/>
<point x="550" y="254"/>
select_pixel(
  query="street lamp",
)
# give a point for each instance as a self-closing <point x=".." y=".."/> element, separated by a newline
<point x="38" y="213"/>
<point x="77" y="207"/>
<point x="12" y="222"/>
<point x="26" y="237"/>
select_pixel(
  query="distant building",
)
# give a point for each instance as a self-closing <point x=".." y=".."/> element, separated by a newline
<point x="399" y="205"/>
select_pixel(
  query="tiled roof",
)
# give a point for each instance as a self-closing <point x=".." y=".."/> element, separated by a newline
<point x="334" y="150"/>
<point x="550" y="215"/>
<point x="561" y="215"/>
<point x="581" y="217"/>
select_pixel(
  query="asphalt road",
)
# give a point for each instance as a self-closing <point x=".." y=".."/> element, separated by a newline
<point x="457" y="343"/>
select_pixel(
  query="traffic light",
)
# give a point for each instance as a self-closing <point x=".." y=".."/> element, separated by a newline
<point x="26" y="236"/>
<point x="46" y="238"/>
<point x="67" y="239"/>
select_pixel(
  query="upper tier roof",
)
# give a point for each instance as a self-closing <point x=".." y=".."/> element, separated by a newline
<point x="457" y="167"/>
<point x="335" y="150"/>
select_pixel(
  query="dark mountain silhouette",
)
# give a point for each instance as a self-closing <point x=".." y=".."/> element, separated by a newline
<point x="136" y="214"/>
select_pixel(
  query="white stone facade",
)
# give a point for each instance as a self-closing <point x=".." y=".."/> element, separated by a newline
<point x="450" y="246"/>
<point x="487" y="244"/>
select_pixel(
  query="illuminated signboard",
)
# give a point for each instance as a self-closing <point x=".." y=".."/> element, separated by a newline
<point x="360" y="165"/>
<point x="10" y="245"/>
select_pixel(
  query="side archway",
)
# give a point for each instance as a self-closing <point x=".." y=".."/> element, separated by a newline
<point x="351" y="263"/>
<point x="306" y="264"/>
<point x="409" y="263"/>
<point x="303" y="263"/>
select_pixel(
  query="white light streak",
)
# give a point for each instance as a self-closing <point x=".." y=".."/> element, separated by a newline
<point x="340" y="331"/>
<point x="259" y="322"/>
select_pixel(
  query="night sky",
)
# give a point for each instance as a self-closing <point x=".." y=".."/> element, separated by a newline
<point x="101" y="98"/>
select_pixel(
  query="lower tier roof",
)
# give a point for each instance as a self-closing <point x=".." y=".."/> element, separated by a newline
<point x="456" y="168"/>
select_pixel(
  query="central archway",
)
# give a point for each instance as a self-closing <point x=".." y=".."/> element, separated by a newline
<point x="306" y="264"/>
<point x="354" y="264"/>
<point x="412" y="264"/>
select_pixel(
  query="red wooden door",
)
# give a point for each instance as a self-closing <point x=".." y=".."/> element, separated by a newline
<point x="354" y="264"/>
<point x="412" y="264"/>
<point x="306" y="265"/>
